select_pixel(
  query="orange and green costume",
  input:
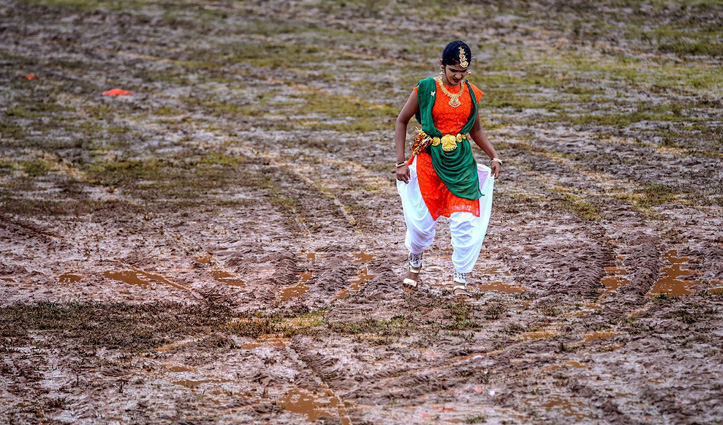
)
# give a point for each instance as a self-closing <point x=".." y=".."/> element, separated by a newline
<point x="446" y="169"/>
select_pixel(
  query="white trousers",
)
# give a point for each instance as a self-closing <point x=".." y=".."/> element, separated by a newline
<point x="468" y="232"/>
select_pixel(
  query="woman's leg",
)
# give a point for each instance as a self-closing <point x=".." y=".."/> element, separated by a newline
<point x="468" y="233"/>
<point x="420" y="224"/>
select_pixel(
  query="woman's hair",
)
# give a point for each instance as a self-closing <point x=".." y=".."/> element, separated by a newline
<point x="451" y="54"/>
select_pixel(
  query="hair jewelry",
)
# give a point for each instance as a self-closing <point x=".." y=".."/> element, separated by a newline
<point x="462" y="58"/>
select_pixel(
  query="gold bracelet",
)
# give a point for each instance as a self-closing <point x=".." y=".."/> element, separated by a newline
<point x="400" y="164"/>
<point x="496" y="160"/>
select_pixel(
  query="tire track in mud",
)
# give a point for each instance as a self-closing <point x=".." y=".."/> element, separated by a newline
<point x="610" y="243"/>
<point x="639" y="252"/>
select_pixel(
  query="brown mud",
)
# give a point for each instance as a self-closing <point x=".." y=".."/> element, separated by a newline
<point x="225" y="245"/>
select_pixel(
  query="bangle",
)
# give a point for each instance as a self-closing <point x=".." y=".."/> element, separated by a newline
<point x="402" y="163"/>
<point x="496" y="160"/>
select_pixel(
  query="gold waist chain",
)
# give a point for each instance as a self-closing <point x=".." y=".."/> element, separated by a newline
<point x="422" y="141"/>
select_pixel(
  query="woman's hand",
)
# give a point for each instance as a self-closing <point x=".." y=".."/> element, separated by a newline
<point x="403" y="173"/>
<point x="495" y="166"/>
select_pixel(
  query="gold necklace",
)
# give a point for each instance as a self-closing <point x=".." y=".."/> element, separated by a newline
<point x="453" y="98"/>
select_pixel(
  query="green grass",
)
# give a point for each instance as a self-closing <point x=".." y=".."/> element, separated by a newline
<point x="462" y="317"/>
<point x="116" y="326"/>
<point x="397" y="326"/>
<point x="581" y="207"/>
<point x="35" y="168"/>
<point x="657" y="194"/>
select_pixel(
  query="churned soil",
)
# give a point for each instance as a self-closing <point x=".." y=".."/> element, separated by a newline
<point x="224" y="242"/>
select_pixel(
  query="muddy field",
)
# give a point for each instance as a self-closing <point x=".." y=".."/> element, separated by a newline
<point x="225" y="244"/>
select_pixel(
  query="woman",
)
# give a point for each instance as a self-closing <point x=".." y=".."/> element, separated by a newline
<point x="442" y="177"/>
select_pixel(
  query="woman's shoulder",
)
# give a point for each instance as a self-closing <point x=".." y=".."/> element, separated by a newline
<point x="424" y="83"/>
<point x="428" y="80"/>
<point x="477" y="92"/>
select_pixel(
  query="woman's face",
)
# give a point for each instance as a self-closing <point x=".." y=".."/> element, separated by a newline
<point x="455" y="74"/>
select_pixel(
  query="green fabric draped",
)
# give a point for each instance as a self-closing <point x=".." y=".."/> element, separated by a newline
<point x="457" y="169"/>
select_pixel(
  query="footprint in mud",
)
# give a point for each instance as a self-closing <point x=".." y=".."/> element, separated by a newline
<point x="356" y="285"/>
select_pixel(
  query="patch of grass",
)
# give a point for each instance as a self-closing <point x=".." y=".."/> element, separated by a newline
<point x="255" y="327"/>
<point x="494" y="311"/>
<point x="661" y="298"/>
<point x="114" y="326"/>
<point x="577" y="204"/>
<point x="10" y="130"/>
<point x="218" y="108"/>
<point x="395" y="327"/>
<point x="513" y="329"/>
<point x="508" y="99"/>
<point x="36" y="109"/>
<point x="35" y="168"/>
<point x="44" y="207"/>
<point x="183" y="177"/>
<point x="118" y="173"/>
<point x="656" y="194"/>
<point x="622" y="120"/>
<point x="340" y="106"/>
<point x="550" y="308"/>
<point x="462" y="317"/>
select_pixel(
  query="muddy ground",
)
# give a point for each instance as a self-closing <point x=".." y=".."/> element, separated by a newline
<point x="225" y="244"/>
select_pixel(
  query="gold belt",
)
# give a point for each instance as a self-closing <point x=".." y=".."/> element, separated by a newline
<point x="449" y="141"/>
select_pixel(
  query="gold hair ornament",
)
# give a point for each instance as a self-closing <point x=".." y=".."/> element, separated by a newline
<point x="463" y="58"/>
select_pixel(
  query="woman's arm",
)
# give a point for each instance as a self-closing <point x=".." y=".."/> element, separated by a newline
<point x="480" y="138"/>
<point x="400" y="134"/>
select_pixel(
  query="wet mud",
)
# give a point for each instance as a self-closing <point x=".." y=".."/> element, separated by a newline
<point x="225" y="244"/>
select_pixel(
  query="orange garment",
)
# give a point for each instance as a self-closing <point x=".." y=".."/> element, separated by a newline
<point x="116" y="92"/>
<point x="449" y="120"/>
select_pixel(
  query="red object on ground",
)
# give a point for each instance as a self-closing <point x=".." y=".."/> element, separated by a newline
<point x="28" y="77"/>
<point x="117" y="92"/>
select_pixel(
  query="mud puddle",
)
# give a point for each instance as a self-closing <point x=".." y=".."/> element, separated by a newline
<point x="295" y="291"/>
<point x="266" y="340"/>
<point x="227" y="278"/>
<point x="315" y="406"/>
<point x="363" y="257"/>
<point x="595" y="335"/>
<point x="140" y="278"/>
<point x="676" y="280"/>
<point x="566" y="407"/>
<point x="503" y="287"/>
<point x="70" y="277"/>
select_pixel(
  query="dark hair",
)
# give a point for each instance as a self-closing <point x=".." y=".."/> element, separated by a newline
<point x="450" y="56"/>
